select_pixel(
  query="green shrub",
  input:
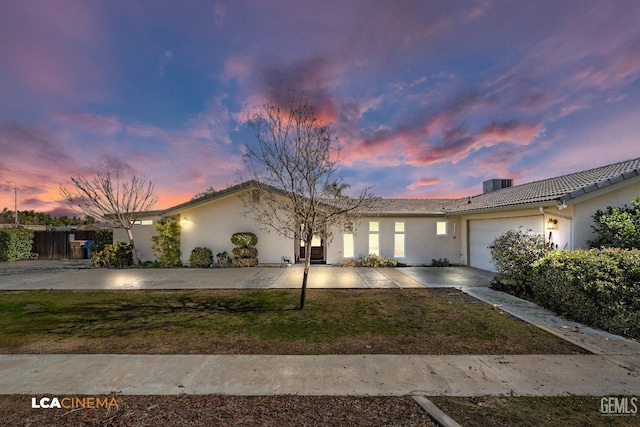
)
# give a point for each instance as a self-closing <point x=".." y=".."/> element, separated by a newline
<point x="600" y="288"/>
<point x="617" y="227"/>
<point x="245" y="252"/>
<point x="440" y="262"/>
<point x="372" y="260"/>
<point x="103" y="237"/>
<point x="166" y="243"/>
<point x="244" y="239"/>
<point x="514" y="253"/>
<point x="118" y="255"/>
<point x="201" y="258"/>
<point x="15" y="243"/>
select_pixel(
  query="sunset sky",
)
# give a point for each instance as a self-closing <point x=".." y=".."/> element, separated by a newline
<point x="428" y="98"/>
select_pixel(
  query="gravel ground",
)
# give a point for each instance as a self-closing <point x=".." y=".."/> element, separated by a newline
<point x="217" y="410"/>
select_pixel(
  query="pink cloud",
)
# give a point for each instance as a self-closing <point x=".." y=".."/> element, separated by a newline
<point x="423" y="182"/>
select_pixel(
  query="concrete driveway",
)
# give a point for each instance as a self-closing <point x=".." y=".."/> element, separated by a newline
<point x="69" y="274"/>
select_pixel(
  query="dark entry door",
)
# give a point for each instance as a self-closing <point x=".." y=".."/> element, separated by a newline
<point x="316" y="250"/>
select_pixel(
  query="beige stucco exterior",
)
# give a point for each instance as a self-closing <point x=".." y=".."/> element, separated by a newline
<point x="421" y="243"/>
<point x="582" y="212"/>
<point x="142" y="235"/>
<point x="211" y="222"/>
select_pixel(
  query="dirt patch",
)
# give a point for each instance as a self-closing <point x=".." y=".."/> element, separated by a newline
<point x="216" y="410"/>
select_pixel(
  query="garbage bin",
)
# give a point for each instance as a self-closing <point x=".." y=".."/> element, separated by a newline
<point x="77" y="250"/>
<point x="87" y="246"/>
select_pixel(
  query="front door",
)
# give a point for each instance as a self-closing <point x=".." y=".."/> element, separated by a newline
<point x="316" y="250"/>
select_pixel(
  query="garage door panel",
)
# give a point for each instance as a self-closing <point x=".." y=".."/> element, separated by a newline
<point x="482" y="232"/>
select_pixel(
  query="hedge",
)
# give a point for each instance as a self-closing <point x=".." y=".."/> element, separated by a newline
<point x="598" y="287"/>
<point x="15" y="243"/>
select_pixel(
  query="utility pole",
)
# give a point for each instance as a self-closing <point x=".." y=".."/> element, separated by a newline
<point x="15" y="192"/>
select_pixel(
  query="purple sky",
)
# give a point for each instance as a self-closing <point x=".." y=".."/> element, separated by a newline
<point x="428" y="98"/>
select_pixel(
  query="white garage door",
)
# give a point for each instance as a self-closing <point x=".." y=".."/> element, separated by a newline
<point x="482" y="232"/>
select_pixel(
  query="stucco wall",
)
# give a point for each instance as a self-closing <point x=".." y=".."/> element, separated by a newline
<point x="212" y="224"/>
<point x="142" y="235"/>
<point x="583" y="211"/>
<point x="422" y="245"/>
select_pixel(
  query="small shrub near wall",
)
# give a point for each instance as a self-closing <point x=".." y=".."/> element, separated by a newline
<point x="118" y="255"/>
<point x="372" y="260"/>
<point x="15" y="243"/>
<point x="600" y="288"/>
<point x="201" y="258"/>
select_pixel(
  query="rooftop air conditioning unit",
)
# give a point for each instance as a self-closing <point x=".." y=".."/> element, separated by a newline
<point x="496" y="184"/>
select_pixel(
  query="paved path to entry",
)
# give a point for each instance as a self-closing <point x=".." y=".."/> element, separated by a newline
<point x="70" y="275"/>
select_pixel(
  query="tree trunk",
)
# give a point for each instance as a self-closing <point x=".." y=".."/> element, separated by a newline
<point x="305" y="276"/>
<point x="133" y="247"/>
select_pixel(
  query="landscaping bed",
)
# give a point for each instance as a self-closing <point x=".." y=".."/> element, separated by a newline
<point x="383" y="321"/>
<point x="217" y="410"/>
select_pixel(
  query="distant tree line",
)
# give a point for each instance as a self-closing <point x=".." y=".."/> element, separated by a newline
<point x="31" y="217"/>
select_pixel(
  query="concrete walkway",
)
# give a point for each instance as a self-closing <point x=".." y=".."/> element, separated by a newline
<point x="375" y="375"/>
<point x="613" y="369"/>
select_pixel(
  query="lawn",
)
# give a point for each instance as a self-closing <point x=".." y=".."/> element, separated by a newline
<point x="385" y="321"/>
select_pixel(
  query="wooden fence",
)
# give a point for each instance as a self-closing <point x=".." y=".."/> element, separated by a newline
<point x="56" y="244"/>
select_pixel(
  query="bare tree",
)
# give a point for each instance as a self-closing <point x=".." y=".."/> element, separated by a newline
<point x="294" y="165"/>
<point x="106" y="195"/>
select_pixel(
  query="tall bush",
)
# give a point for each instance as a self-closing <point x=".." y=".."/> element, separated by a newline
<point x="246" y="255"/>
<point x="166" y="243"/>
<point x="104" y="237"/>
<point x="513" y="254"/>
<point x="15" y="243"/>
<point x="600" y="288"/>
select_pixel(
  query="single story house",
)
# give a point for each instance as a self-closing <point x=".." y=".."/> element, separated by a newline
<point x="416" y="231"/>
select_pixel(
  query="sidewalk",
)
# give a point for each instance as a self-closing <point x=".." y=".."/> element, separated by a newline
<point x="372" y="375"/>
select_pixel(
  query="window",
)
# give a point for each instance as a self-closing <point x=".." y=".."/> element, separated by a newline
<point x="347" y="244"/>
<point x="398" y="240"/>
<point x="441" y="228"/>
<point x="347" y="240"/>
<point x="143" y="222"/>
<point x="374" y="238"/>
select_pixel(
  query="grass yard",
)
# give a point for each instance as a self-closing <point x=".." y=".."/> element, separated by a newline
<point x="385" y="321"/>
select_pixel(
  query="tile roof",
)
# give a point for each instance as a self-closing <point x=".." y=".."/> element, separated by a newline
<point x="560" y="189"/>
<point x="408" y="206"/>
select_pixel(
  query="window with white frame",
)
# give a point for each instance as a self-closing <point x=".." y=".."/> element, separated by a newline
<point x="441" y="228"/>
<point x="398" y="239"/>
<point x="374" y="238"/>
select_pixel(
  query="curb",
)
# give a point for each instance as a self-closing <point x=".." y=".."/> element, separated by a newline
<point x="434" y="412"/>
